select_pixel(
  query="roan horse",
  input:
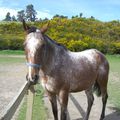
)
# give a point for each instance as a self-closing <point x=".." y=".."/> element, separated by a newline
<point x="62" y="71"/>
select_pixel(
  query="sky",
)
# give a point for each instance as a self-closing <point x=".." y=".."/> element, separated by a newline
<point x="104" y="10"/>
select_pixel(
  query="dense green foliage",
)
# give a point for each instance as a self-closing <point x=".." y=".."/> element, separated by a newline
<point x="76" y="34"/>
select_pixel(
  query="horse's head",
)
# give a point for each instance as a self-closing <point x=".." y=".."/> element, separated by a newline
<point x="33" y="44"/>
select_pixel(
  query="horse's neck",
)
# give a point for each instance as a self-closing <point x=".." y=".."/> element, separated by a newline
<point x="48" y="56"/>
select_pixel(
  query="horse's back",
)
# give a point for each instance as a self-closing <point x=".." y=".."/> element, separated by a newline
<point x="91" y="55"/>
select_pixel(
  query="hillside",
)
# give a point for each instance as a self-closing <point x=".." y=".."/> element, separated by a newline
<point x="76" y="34"/>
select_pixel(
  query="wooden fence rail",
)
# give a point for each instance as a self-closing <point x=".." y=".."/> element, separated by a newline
<point x="8" y="113"/>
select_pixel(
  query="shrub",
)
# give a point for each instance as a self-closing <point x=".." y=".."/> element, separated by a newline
<point x="13" y="43"/>
<point x="77" y="45"/>
<point x="16" y="44"/>
<point x="3" y="44"/>
<point x="63" y="41"/>
<point x="114" y="48"/>
<point x="76" y="34"/>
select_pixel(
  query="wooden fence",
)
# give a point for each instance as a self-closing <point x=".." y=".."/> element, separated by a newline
<point x="8" y="113"/>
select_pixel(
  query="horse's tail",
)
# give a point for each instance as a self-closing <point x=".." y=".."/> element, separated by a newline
<point x="96" y="89"/>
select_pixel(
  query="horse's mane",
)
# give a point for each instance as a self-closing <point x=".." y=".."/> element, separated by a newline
<point x="56" y="43"/>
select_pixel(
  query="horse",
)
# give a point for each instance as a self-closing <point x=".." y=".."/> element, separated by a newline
<point x="62" y="71"/>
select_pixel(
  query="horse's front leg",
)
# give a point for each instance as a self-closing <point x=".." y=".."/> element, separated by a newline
<point x="63" y="98"/>
<point x="53" y="100"/>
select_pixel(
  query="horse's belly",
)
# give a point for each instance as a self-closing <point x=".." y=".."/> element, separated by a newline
<point x="82" y="84"/>
<point x="78" y="87"/>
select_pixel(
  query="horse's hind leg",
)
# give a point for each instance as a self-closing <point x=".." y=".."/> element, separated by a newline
<point x="103" y="88"/>
<point x="90" y="99"/>
<point x="53" y="101"/>
<point x="104" y="101"/>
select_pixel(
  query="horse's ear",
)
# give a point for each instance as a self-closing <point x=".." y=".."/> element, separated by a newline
<point x="25" y="26"/>
<point x="45" y="28"/>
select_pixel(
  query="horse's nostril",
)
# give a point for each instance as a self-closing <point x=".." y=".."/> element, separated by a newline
<point x="36" y="77"/>
<point x="33" y="80"/>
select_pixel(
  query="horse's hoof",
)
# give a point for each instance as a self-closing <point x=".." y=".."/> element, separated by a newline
<point x="86" y="118"/>
<point x="102" y="118"/>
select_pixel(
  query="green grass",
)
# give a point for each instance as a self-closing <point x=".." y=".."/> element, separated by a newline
<point x="11" y="60"/>
<point x="39" y="112"/>
<point x="114" y="80"/>
<point x="11" y="52"/>
<point x="22" y="111"/>
<point x="11" y="56"/>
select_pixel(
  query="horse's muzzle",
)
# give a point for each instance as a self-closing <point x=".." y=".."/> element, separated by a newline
<point x="33" y="80"/>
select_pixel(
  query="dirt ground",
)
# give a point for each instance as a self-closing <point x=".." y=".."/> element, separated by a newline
<point x="12" y="77"/>
<point x="77" y="106"/>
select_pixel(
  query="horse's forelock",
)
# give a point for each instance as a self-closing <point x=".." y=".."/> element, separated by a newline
<point x="32" y="29"/>
<point x="33" y="42"/>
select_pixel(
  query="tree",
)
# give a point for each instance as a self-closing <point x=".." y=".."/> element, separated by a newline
<point x="59" y="16"/>
<point x="92" y="17"/>
<point x="21" y="15"/>
<point x="62" y="16"/>
<point x="30" y="13"/>
<point x="75" y="16"/>
<point x="13" y="18"/>
<point x="8" y="17"/>
<point x="45" y="19"/>
<point x="81" y="14"/>
<point x="55" y="16"/>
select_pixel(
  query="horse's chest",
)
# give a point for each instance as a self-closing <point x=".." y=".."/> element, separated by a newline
<point x="49" y="84"/>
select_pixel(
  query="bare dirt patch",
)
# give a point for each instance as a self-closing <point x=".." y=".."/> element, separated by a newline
<point x="12" y="77"/>
<point x="77" y="107"/>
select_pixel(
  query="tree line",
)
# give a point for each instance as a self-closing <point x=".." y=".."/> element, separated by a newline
<point x="30" y="14"/>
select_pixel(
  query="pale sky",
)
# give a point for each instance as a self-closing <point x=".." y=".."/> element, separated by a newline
<point x="104" y="10"/>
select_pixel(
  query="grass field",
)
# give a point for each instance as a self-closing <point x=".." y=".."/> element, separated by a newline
<point x="11" y="52"/>
<point x="39" y="112"/>
<point x="114" y="80"/>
